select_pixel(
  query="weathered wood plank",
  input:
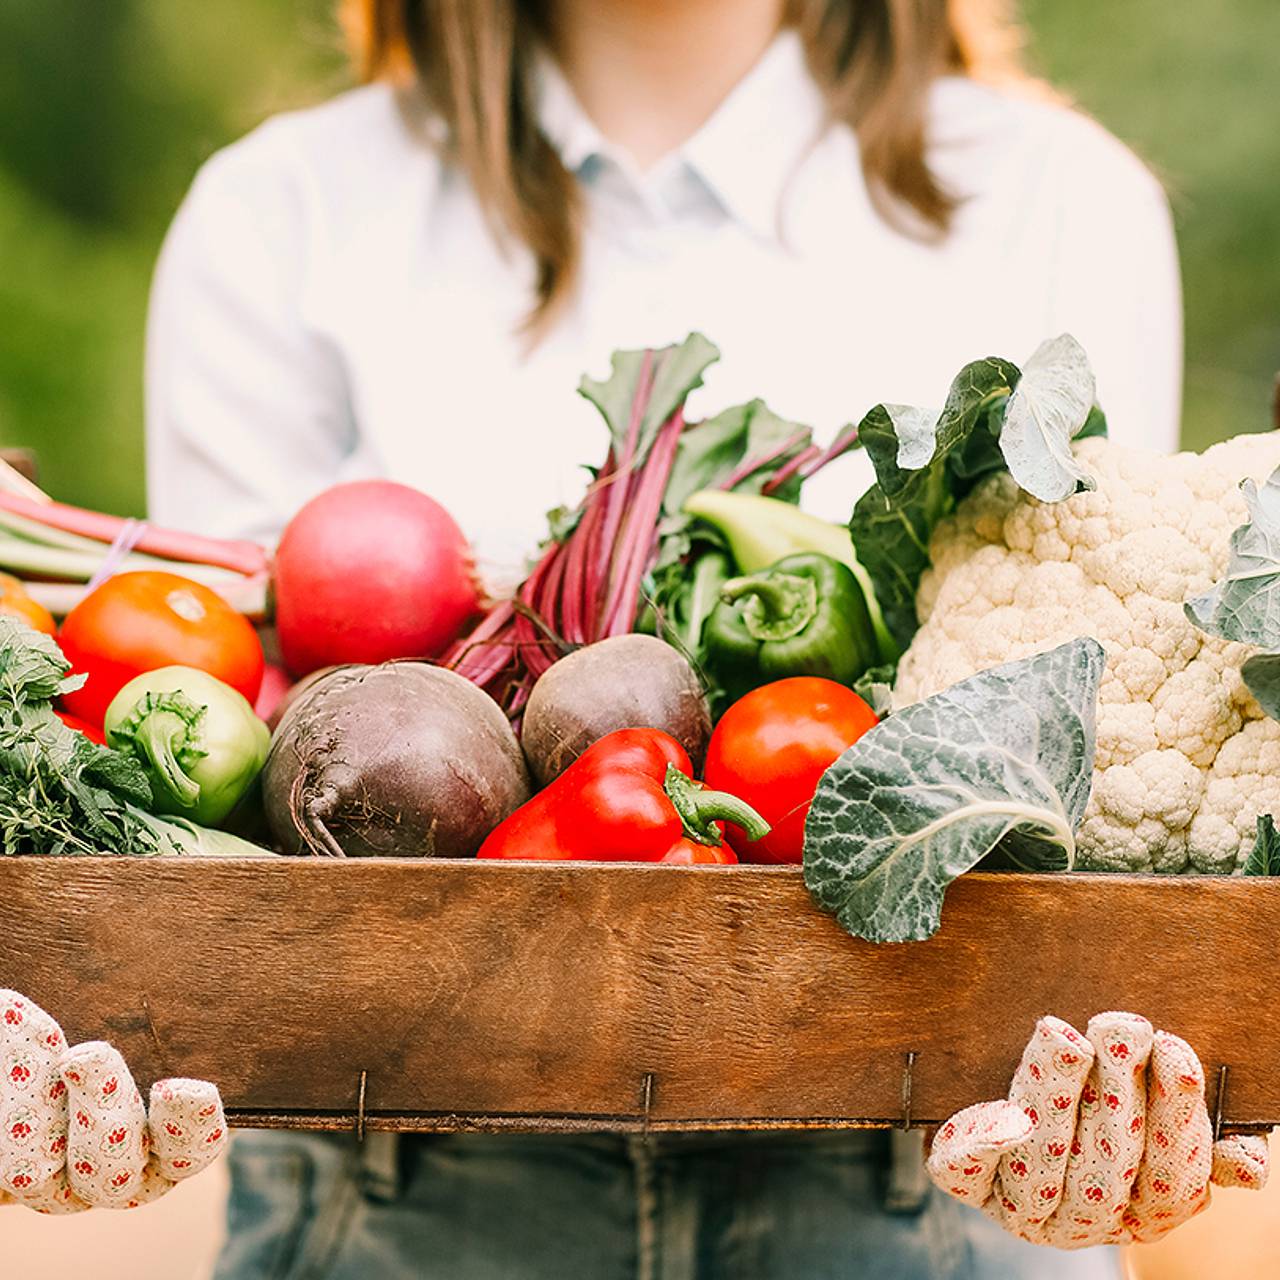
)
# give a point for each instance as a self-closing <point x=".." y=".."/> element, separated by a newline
<point x="522" y="995"/>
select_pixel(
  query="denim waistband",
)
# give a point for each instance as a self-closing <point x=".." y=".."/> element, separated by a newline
<point x="384" y="1159"/>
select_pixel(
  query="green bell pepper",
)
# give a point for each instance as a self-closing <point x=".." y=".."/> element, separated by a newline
<point x="198" y="739"/>
<point x="760" y="531"/>
<point x="803" y="616"/>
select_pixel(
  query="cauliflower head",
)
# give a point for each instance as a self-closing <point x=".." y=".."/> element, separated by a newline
<point x="1186" y="759"/>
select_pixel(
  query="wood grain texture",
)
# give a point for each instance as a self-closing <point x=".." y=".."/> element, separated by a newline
<point x="507" y="995"/>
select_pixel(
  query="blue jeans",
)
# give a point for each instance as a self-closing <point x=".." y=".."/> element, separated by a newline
<point x="688" y="1207"/>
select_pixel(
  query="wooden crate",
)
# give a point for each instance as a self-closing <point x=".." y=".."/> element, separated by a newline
<point x="580" y="997"/>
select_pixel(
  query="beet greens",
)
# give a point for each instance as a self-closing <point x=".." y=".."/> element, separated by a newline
<point x="625" y="557"/>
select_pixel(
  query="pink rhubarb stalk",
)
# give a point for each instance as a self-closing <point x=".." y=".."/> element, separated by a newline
<point x="241" y="557"/>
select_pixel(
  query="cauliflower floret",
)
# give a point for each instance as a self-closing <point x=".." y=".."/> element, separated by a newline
<point x="1185" y="761"/>
<point x="1243" y="782"/>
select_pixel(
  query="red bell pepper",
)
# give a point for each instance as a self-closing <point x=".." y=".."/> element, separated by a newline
<point x="91" y="732"/>
<point x="627" y="798"/>
<point x="688" y="853"/>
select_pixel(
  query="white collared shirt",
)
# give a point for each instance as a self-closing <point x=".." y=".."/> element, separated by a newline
<point x="330" y="302"/>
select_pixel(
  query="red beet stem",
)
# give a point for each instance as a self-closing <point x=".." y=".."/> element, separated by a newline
<point x="574" y="600"/>
<point x="749" y="466"/>
<point x="639" y="543"/>
<point x="846" y="440"/>
<point x="617" y="485"/>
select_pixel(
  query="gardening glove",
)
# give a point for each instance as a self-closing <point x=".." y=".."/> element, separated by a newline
<point x="73" y="1131"/>
<point x="1105" y="1139"/>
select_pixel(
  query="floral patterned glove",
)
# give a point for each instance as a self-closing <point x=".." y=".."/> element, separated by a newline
<point x="1105" y="1139"/>
<point x="73" y="1130"/>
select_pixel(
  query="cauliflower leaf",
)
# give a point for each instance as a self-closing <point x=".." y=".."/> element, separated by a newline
<point x="1245" y="605"/>
<point x="1047" y="409"/>
<point x="1264" y="859"/>
<point x="996" y="416"/>
<point x="1261" y="676"/>
<point x="1003" y="758"/>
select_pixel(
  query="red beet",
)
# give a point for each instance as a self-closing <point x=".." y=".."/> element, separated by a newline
<point x="371" y="571"/>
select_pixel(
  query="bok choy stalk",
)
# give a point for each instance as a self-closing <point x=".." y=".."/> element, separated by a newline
<point x="61" y="793"/>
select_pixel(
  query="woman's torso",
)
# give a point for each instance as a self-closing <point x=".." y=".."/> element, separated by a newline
<point x="751" y="233"/>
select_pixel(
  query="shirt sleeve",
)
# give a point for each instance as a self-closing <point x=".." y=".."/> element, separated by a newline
<point x="248" y="413"/>
<point x="1117" y="286"/>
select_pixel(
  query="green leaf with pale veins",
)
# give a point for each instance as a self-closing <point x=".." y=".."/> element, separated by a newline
<point x="892" y="542"/>
<point x="1261" y="675"/>
<point x="675" y="371"/>
<point x="1049" y="407"/>
<point x="995" y="417"/>
<point x="1004" y="758"/>
<point x="711" y="451"/>
<point x="893" y="520"/>
<point x="1245" y="605"/>
<point x="1095" y="425"/>
<point x="1264" y="858"/>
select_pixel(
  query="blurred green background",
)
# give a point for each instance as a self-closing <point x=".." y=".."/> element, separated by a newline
<point x="107" y="107"/>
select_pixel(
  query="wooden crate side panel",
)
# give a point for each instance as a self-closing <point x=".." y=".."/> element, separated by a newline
<point x="473" y="990"/>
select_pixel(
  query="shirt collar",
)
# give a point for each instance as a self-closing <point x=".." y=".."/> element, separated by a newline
<point x="744" y="154"/>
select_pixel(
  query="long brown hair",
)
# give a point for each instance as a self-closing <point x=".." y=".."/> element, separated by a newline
<point x="874" y="60"/>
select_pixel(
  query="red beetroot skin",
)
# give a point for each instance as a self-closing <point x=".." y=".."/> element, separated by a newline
<point x="370" y="571"/>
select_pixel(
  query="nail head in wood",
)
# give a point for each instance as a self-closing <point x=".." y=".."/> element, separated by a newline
<point x="906" y="1088"/>
<point x="364" y="1080"/>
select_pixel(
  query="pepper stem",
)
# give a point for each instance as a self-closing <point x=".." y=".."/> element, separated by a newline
<point x="778" y="605"/>
<point x="161" y="735"/>
<point x="700" y="810"/>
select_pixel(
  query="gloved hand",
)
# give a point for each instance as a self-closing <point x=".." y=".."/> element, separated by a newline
<point x="73" y="1130"/>
<point x="1105" y="1139"/>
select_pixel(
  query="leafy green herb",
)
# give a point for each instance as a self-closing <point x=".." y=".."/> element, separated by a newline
<point x="32" y="667"/>
<point x="1004" y="758"/>
<point x="995" y="416"/>
<point x="1264" y="859"/>
<point x="1245" y="605"/>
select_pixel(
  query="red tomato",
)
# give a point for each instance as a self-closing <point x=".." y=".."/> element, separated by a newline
<point x="771" y="747"/>
<point x="31" y="612"/>
<point x="136" y="622"/>
<point x="81" y="726"/>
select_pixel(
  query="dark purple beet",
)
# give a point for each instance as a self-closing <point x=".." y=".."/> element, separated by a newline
<point x="624" y="682"/>
<point x="398" y="760"/>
